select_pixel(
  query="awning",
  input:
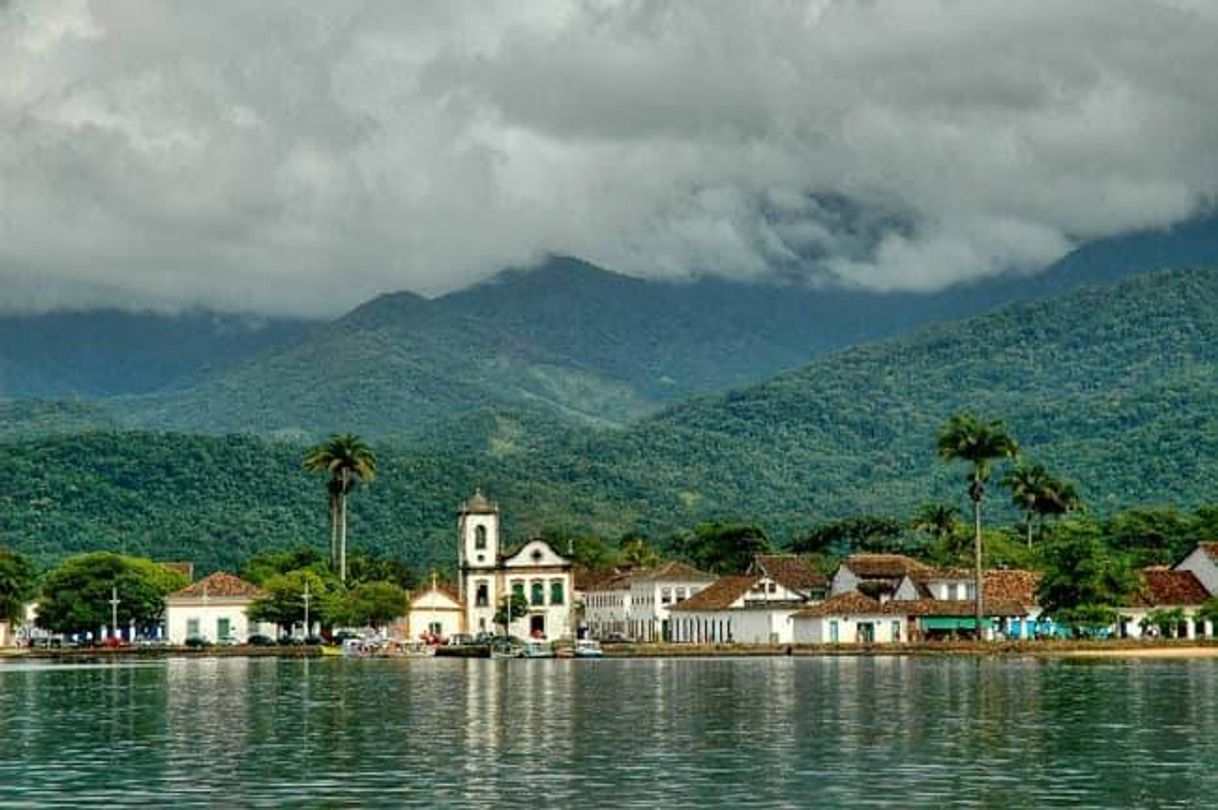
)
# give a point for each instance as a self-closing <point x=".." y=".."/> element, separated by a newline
<point x="953" y="623"/>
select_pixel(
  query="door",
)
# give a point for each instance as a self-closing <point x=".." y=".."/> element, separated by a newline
<point x="223" y="626"/>
<point x="537" y="626"/>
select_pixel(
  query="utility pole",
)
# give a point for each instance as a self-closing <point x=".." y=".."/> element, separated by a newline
<point x="114" y="602"/>
<point x="307" y="597"/>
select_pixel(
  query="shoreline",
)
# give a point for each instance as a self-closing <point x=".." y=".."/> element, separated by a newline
<point x="1127" y="649"/>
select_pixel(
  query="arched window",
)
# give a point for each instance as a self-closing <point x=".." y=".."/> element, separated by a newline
<point x="480" y="537"/>
<point x="538" y="592"/>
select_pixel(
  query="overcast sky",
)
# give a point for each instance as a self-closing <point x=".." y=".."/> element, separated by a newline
<point x="301" y="157"/>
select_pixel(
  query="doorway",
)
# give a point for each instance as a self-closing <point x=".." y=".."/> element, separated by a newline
<point x="537" y="626"/>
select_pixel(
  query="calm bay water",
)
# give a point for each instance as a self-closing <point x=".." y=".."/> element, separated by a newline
<point x="780" y="732"/>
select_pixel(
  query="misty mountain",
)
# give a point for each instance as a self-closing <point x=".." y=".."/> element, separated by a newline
<point x="571" y="343"/>
<point x="1111" y="387"/>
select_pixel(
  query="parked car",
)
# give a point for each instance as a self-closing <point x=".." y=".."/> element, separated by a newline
<point x="259" y="640"/>
<point x="460" y="640"/>
<point x="617" y="638"/>
<point x="314" y="641"/>
<point x="198" y="641"/>
<point x="291" y="641"/>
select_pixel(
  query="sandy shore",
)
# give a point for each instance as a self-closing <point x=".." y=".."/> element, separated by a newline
<point x="1140" y="652"/>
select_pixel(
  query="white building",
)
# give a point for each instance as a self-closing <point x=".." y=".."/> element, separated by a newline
<point x="755" y="608"/>
<point x="1202" y="561"/>
<point x="213" y="608"/>
<point x="1167" y="590"/>
<point x="436" y="612"/>
<point x="654" y="592"/>
<point x="488" y="576"/>
<point x="606" y="604"/>
<point x="846" y="618"/>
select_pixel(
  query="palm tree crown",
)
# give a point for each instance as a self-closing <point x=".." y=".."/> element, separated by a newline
<point x="348" y="459"/>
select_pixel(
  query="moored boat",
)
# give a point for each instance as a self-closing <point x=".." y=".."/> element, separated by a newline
<point x="588" y="648"/>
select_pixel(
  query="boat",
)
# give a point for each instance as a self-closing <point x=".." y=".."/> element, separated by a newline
<point x="588" y="648"/>
<point x="506" y="649"/>
<point x="537" y="649"/>
<point x="412" y="649"/>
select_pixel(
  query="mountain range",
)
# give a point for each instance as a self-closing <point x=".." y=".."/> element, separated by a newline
<point x="532" y="350"/>
<point x="1112" y="386"/>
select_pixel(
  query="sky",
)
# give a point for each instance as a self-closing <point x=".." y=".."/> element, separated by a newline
<point x="298" y="158"/>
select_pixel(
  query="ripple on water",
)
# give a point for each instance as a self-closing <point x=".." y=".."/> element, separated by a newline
<point x="782" y="732"/>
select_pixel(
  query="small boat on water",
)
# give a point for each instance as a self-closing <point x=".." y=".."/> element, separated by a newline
<point x="588" y="648"/>
<point x="412" y="649"/>
<point x="537" y="649"/>
<point x="506" y="649"/>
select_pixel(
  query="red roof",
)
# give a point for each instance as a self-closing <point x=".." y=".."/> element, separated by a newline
<point x="1166" y="588"/>
<point x="674" y="571"/>
<point x="1012" y="583"/>
<point x="720" y="594"/>
<point x="218" y="586"/>
<point x="790" y="571"/>
<point x="954" y="607"/>
<point x="848" y="603"/>
<point x="885" y="566"/>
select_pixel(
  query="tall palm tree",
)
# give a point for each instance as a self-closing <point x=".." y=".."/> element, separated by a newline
<point x="1040" y="494"/>
<point x="968" y="438"/>
<point x="348" y="459"/>
<point x="1030" y="486"/>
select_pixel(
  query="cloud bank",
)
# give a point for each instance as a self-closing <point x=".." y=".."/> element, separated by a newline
<point x="299" y="158"/>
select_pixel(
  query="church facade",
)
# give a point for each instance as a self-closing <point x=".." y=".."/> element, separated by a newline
<point x="489" y="576"/>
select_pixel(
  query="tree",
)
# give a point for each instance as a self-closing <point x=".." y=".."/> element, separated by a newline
<point x="1209" y="611"/>
<point x="362" y="567"/>
<point x="374" y="604"/>
<point x="979" y="443"/>
<point x="939" y="520"/>
<point x="1083" y="580"/>
<point x="1038" y="494"/>
<point x="511" y="607"/>
<point x="283" y="603"/>
<point x="266" y="564"/>
<point x="635" y="550"/>
<point x="849" y="535"/>
<point x="348" y="459"/>
<point x="723" y="548"/>
<point x="16" y="585"/>
<point x="76" y="596"/>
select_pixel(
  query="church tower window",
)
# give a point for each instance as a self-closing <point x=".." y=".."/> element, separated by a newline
<point x="480" y="538"/>
<point x="482" y="596"/>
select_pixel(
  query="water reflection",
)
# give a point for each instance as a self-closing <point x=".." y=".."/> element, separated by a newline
<point x="780" y="732"/>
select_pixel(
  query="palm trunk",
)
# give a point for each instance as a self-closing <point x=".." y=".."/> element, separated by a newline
<point x="1028" y="518"/>
<point x="342" y="531"/>
<point x="977" y="559"/>
<point x="333" y="531"/>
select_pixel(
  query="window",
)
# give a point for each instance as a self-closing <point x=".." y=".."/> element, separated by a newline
<point x="970" y="590"/>
<point x="896" y="631"/>
<point x="538" y="595"/>
<point x="480" y="537"/>
<point x="192" y="627"/>
<point x="772" y="587"/>
<point x="680" y="594"/>
<point x="517" y="588"/>
<point x="953" y="591"/>
<point x="665" y="596"/>
<point x="556" y="592"/>
<point x="482" y="596"/>
<point x="436" y="629"/>
<point x="833" y="632"/>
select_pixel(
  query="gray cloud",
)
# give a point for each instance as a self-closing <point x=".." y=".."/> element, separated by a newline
<point x="283" y="158"/>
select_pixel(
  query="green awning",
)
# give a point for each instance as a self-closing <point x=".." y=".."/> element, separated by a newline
<point x="953" y="623"/>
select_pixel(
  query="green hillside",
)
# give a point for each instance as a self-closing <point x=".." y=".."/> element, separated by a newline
<point x="1115" y="388"/>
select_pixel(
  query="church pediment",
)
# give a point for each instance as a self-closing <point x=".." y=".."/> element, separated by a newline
<point x="535" y="554"/>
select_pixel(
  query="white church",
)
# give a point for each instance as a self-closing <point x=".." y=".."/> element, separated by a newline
<point x="487" y="575"/>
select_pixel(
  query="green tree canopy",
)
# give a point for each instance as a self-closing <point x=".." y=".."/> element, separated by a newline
<point x="723" y="548"/>
<point x="1081" y="573"/>
<point x="283" y="604"/>
<point x="374" y="604"/>
<point x="16" y="585"/>
<point x="511" y="608"/>
<point x="76" y="595"/>
<point x="860" y="533"/>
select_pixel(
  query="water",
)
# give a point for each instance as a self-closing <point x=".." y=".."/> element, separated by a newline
<point x="676" y="733"/>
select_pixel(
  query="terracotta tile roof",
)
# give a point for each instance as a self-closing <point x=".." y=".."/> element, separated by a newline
<point x="612" y="581"/>
<point x="675" y="571"/>
<point x="1166" y="588"/>
<point x="848" y="603"/>
<point x="790" y="571"/>
<point x="1012" y="583"/>
<point x="1211" y="550"/>
<point x="932" y="574"/>
<point x="884" y="566"/>
<point x="953" y="607"/>
<point x="720" y="594"/>
<point x="218" y="585"/>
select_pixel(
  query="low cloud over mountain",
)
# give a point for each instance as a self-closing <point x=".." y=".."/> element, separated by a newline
<point x="273" y="157"/>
